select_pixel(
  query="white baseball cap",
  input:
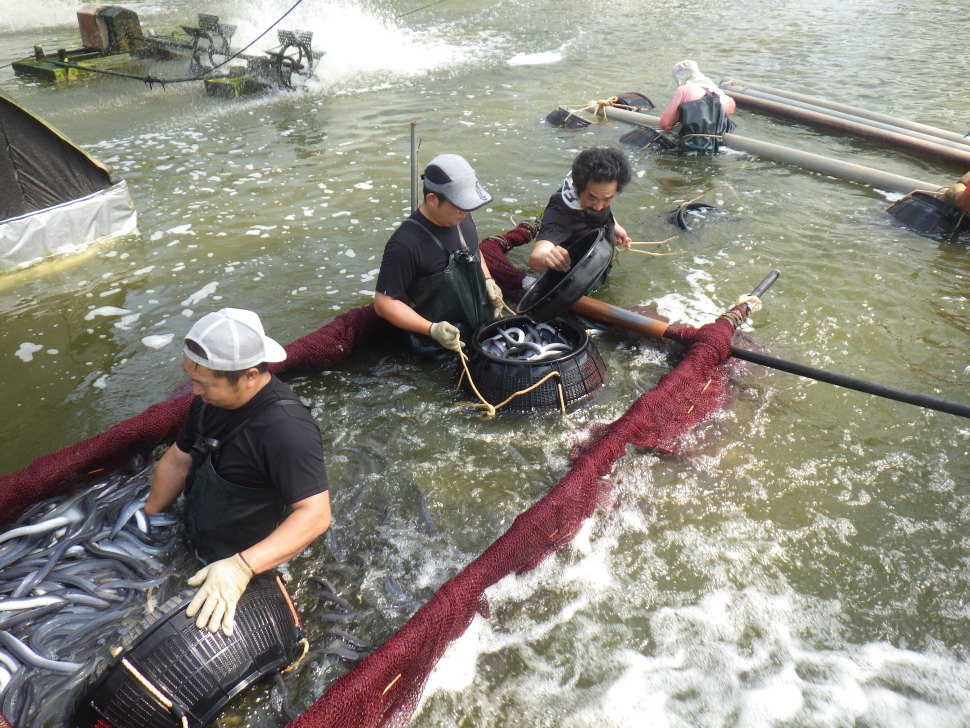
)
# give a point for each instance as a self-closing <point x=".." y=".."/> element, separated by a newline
<point x="450" y="176"/>
<point x="232" y="339"/>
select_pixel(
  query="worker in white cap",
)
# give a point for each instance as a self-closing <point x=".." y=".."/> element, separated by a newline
<point x="433" y="283"/>
<point x="706" y="115"/>
<point x="249" y="460"/>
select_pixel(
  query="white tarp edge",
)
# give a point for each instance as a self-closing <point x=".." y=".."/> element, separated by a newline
<point x="67" y="228"/>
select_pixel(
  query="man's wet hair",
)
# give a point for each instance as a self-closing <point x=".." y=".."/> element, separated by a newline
<point x="601" y="164"/>
<point x="233" y="377"/>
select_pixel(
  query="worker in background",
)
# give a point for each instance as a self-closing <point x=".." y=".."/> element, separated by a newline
<point x="433" y="283"/>
<point x="700" y="107"/>
<point x="249" y="460"/>
<point x="956" y="194"/>
<point x="582" y="204"/>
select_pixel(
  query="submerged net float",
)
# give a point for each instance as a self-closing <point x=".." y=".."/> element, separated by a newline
<point x="563" y="118"/>
<point x="679" y="216"/>
<point x="173" y="674"/>
<point x="927" y="214"/>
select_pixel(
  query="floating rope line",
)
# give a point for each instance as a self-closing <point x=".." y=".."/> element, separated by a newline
<point x="491" y="409"/>
<point x="423" y="7"/>
<point x="658" y="242"/>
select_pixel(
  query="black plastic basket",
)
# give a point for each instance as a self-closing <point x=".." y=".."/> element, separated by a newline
<point x="564" y="118"/>
<point x="927" y="214"/>
<point x="554" y="292"/>
<point x="172" y="668"/>
<point x="580" y="371"/>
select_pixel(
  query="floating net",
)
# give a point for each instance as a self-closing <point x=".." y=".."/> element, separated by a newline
<point x="384" y="689"/>
<point x="66" y="470"/>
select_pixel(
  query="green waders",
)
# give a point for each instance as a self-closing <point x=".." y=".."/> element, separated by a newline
<point x="456" y="295"/>
<point x="222" y="518"/>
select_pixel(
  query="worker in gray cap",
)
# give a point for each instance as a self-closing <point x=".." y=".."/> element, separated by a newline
<point x="249" y="460"/>
<point x="433" y="282"/>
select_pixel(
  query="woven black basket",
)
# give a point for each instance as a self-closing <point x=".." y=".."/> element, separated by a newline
<point x="580" y="371"/>
<point x="172" y="668"/>
<point x="927" y="214"/>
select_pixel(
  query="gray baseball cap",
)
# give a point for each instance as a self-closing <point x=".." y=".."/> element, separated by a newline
<point x="233" y="340"/>
<point x="451" y="177"/>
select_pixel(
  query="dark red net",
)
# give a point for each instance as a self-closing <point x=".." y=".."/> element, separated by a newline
<point x="384" y="688"/>
<point x="494" y="250"/>
<point x="64" y="470"/>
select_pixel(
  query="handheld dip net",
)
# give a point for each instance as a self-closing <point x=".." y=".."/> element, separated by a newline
<point x="385" y="687"/>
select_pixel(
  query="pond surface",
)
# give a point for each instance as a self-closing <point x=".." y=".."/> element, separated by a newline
<point x="803" y="563"/>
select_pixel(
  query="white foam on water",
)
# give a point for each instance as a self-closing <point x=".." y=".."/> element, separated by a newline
<point x="737" y="657"/>
<point x="105" y="311"/>
<point x="27" y="350"/>
<point x="50" y="13"/>
<point x="158" y="341"/>
<point x="535" y="59"/>
<point x="200" y="295"/>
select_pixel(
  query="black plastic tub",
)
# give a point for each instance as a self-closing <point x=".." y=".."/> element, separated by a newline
<point x="170" y="668"/>
<point x="580" y="371"/>
<point x="554" y="292"/>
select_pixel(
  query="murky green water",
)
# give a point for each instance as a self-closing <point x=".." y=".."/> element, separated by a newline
<point x="804" y="563"/>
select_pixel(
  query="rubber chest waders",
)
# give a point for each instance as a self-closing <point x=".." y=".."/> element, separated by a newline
<point x="456" y="294"/>
<point x="223" y="518"/>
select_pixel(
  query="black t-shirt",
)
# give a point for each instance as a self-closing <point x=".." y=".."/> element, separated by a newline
<point x="280" y="448"/>
<point x="411" y="253"/>
<point x="562" y="224"/>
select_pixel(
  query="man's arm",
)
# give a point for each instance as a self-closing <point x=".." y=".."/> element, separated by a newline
<point x="309" y="520"/>
<point x="546" y="254"/>
<point x="399" y="314"/>
<point x="671" y="114"/>
<point x="168" y="481"/>
<point x="620" y="236"/>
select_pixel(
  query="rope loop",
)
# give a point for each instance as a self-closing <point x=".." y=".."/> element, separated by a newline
<point x="491" y="409"/>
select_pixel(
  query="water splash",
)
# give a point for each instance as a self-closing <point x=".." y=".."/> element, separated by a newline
<point x="362" y="45"/>
<point x="24" y="16"/>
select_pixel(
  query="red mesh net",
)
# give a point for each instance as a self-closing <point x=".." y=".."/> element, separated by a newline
<point x="384" y="689"/>
<point x="64" y="470"/>
<point x="494" y="250"/>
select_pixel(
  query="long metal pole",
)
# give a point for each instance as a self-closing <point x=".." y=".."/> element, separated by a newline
<point x="836" y="114"/>
<point x="815" y="162"/>
<point x="738" y="85"/>
<point x="654" y="329"/>
<point x="928" y="149"/>
<point x="414" y="167"/>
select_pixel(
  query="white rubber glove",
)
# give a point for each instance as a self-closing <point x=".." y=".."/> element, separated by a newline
<point x="494" y="297"/>
<point x="446" y="335"/>
<point x="223" y="582"/>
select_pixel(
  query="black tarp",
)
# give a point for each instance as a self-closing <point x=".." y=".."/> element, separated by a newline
<point x="39" y="167"/>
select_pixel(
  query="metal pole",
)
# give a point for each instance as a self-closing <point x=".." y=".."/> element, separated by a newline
<point x="414" y="167"/>
<point x="857" y="118"/>
<point x="876" y="116"/>
<point x="815" y="162"/>
<point x="927" y="149"/>
<point x="654" y="329"/>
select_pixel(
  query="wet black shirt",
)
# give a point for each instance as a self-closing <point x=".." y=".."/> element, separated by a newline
<point x="410" y="253"/>
<point x="280" y="448"/>
<point x="561" y="223"/>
